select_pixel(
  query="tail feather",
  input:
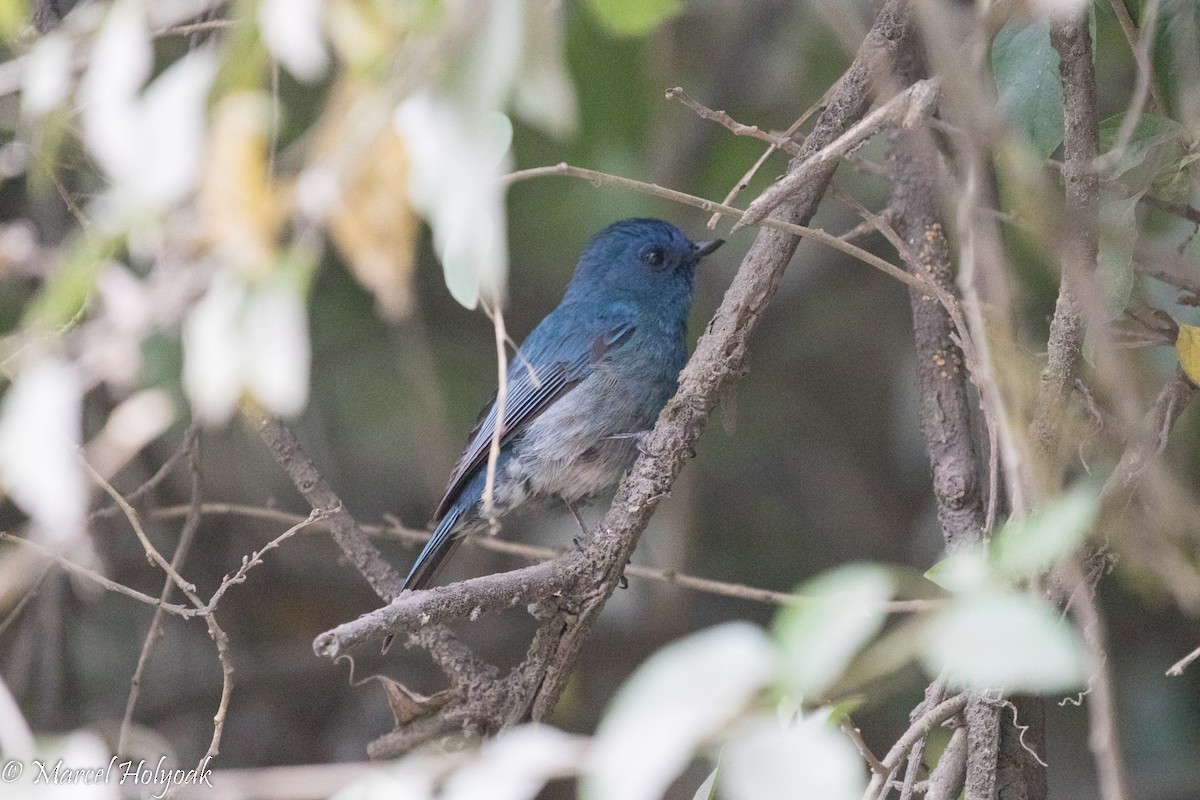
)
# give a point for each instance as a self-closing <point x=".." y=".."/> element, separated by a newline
<point x="439" y="547"/>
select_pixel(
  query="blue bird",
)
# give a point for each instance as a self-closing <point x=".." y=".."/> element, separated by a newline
<point x="591" y="377"/>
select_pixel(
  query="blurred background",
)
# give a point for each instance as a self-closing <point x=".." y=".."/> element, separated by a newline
<point x="818" y="461"/>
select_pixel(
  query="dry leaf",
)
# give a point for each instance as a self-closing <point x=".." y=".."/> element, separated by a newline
<point x="372" y="224"/>
<point x="407" y="705"/>
<point x="240" y="212"/>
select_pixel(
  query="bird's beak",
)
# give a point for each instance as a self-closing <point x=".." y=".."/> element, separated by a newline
<point x="702" y="249"/>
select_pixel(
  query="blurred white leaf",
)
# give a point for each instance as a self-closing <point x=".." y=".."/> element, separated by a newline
<point x="458" y="156"/>
<point x="765" y="759"/>
<point x="247" y="337"/>
<point x="149" y="144"/>
<point x="171" y="130"/>
<point x="964" y="570"/>
<point x="39" y="448"/>
<point x="275" y="347"/>
<point x="292" y="32"/>
<point x="411" y="778"/>
<point x="516" y="764"/>
<point x="387" y="785"/>
<point x="46" y="80"/>
<point x="127" y="303"/>
<point x="137" y="421"/>
<point x="489" y="63"/>
<point x="212" y="370"/>
<point x="16" y="739"/>
<point x="682" y="696"/>
<point x="119" y="64"/>
<point x="1002" y="639"/>
<point x="820" y="634"/>
<point x="545" y="93"/>
<point x="1030" y="545"/>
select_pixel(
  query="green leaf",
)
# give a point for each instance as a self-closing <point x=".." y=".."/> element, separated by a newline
<point x="1176" y="63"/>
<point x="66" y="293"/>
<point x="1118" y="238"/>
<point x="1154" y="144"/>
<point x="1025" y="66"/>
<point x="633" y="17"/>
<point x="820" y="634"/>
<point x="1030" y="545"/>
<point x="1005" y="639"/>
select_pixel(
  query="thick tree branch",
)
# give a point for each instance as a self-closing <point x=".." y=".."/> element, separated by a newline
<point x="944" y="403"/>
<point x="1071" y="39"/>
<point x="412" y="611"/>
<point x="299" y="467"/>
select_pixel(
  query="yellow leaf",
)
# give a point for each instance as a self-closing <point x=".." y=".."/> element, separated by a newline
<point x="1187" y="345"/>
<point x="373" y="225"/>
<point x="240" y="213"/>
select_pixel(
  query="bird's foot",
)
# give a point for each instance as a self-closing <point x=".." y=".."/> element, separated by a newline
<point x="584" y="534"/>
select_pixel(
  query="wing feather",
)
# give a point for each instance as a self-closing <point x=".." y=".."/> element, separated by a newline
<point x="535" y="381"/>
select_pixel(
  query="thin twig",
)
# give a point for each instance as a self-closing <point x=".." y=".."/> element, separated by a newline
<point x="168" y="466"/>
<point x="15" y="613"/>
<point x="916" y="732"/>
<point x="1102" y="724"/>
<point x="224" y="655"/>
<point x="96" y="577"/>
<point x="1176" y="669"/>
<point x="196" y="27"/>
<point x="187" y="533"/>
<point x="255" y="558"/>
<point x="189" y="589"/>
<point x="816" y="234"/>
<point x="501" y="405"/>
<point x="849" y="728"/>
<point x="534" y="553"/>
<point x="735" y="127"/>
<point x="1139" y="46"/>
<point x="904" y="110"/>
<point x="788" y="135"/>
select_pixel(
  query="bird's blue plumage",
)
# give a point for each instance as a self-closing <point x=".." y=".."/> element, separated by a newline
<point x="593" y="374"/>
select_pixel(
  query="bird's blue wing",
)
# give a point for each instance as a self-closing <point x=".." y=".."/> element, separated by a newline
<point x="554" y="359"/>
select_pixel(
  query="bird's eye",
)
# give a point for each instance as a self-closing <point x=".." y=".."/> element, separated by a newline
<point x="653" y="256"/>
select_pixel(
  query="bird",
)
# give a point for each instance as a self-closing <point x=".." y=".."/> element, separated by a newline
<point x="587" y="382"/>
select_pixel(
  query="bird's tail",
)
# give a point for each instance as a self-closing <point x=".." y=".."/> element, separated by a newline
<point x="440" y="545"/>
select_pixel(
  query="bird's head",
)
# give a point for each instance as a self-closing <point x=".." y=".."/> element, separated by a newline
<point x="640" y="259"/>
